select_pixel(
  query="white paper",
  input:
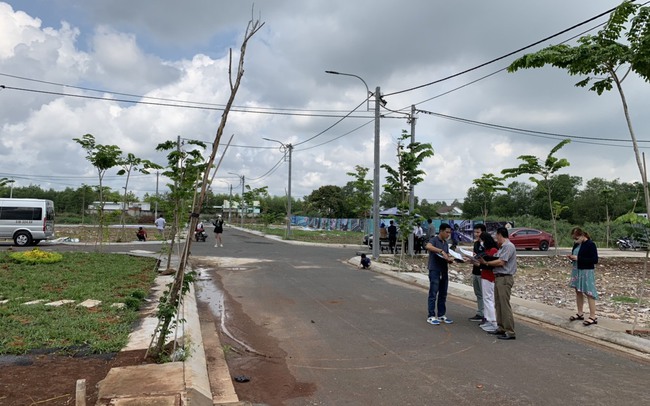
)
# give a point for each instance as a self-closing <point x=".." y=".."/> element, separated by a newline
<point x="466" y="252"/>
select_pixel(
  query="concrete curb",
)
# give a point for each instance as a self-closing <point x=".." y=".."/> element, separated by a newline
<point x="173" y="383"/>
<point x="608" y="331"/>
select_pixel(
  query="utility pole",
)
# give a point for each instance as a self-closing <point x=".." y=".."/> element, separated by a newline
<point x="230" y="205"/>
<point x="155" y="214"/>
<point x="284" y="148"/>
<point x="243" y="202"/>
<point x="412" y="191"/>
<point x="375" y="193"/>
<point x="290" y="148"/>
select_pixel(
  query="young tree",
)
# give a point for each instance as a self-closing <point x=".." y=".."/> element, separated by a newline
<point x="128" y="164"/>
<point x="103" y="158"/>
<point x="533" y="165"/>
<point x="405" y="175"/>
<point x="606" y="62"/>
<point x="488" y="185"/>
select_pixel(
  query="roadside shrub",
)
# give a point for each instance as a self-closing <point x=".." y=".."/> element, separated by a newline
<point x="36" y="256"/>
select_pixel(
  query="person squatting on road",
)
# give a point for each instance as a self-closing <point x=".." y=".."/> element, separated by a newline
<point x="364" y="262"/>
<point x="218" y="230"/>
<point x="505" y="267"/>
<point x="476" y="274"/>
<point x="439" y="261"/>
<point x="584" y="257"/>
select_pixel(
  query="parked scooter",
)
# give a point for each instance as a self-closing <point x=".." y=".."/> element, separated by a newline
<point x="626" y="243"/>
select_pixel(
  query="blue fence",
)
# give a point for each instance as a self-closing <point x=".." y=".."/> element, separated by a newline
<point x="464" y="227"/>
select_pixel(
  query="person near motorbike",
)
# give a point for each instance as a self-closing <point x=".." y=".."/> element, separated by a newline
<point x="199" y="232"/>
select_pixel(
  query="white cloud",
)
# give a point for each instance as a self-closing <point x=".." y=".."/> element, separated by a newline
<point x="169" y="50"/>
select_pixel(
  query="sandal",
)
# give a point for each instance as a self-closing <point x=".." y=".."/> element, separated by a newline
<point x="577" y="317"/>
<point x="590" y="321"/>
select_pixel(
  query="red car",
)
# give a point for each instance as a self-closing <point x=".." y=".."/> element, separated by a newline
<point x="530" y="238"/>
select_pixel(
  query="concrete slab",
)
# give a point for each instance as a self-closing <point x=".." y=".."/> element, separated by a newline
<point x="4" y="301"/>
<point x="119" y="305"/>
<point x="59" y="303"/>
<point x="150" y="379"/>
<point x="164" y="400"/>
<point x="89" y="303"/>
<point x="33" y="302"/>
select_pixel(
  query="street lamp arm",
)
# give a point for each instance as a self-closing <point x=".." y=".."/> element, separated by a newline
<point x="368" y="94"/>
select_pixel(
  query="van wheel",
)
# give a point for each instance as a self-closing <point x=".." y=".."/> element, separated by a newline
<point x="35" y="242"/>
<point x="22" y="239"/>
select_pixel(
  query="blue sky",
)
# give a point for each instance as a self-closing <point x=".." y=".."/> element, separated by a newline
<point x="179" y="50"/>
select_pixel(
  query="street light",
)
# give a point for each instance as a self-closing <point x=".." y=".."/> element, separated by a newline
<point x="286" y="147"/>
<point x="241" y="178"/>
<point x="368" y="94"/>
<point x="375" y="191"/>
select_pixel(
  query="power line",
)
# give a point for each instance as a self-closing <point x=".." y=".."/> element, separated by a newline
<point x="503" y="56"/>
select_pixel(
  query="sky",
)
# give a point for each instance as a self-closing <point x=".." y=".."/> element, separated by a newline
<point x="169" y="54"/>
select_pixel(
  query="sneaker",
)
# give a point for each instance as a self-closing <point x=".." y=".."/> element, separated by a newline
<point x="433" y="320"/>
<point x="216" y="246"/>
<point x="488" y="327"/>
<point x="446" y="320"/>
<point x="476" y="318"/>
<point x="221" y="245"/>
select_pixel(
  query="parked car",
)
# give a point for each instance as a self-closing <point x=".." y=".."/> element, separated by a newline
<point x="530" y="238"/>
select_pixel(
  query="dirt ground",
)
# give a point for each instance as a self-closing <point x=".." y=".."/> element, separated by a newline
<point x="48" y="379"/>
<point x="45" y="379"/>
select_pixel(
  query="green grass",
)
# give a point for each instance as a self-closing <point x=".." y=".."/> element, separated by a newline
<point x="624" y="299"/>
<point x="323" y="236"/>
<point x="111" y="278"/>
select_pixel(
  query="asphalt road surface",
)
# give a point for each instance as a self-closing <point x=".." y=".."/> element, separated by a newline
<point x="349" y="336"/>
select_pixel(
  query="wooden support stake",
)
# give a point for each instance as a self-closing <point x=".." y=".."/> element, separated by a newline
<point x="81" y="392"/>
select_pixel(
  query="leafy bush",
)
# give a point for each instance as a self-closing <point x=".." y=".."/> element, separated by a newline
<point x="36" y="256"/>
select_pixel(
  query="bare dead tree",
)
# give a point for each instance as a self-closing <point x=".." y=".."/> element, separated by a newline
<point x="176" y="290"/>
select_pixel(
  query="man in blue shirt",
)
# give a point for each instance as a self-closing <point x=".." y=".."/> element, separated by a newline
<point x="439" y="261"/>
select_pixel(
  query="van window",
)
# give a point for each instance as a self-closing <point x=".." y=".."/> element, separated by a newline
<point x="21" y="213"/>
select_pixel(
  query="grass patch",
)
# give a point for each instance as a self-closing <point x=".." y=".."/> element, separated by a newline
<point x="110" y="278"/>
<point x="624" y="299"/>
<point x="322" y="236"/>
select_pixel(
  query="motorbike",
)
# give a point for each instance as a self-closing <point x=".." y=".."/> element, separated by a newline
<point x="625" y="243"/>
<point x="200" y="235"/>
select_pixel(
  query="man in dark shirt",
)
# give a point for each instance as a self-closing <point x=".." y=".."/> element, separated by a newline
<point x="439" y="261"/>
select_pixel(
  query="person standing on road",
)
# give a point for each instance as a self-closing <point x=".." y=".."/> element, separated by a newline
<point x="418" y="234"/>
<point x="392" y="236"/>
<point x="160" y="225"/>
<point x="505" y="267"/>
<point x="439" y="261"/>
<point x="218" y="230"/>
<point x="583" y="276"/>
<point x="490" y="249"/>
<point x="476" y="273"/>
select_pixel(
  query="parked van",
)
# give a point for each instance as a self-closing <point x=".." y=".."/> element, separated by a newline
<point x="26" y="221"/>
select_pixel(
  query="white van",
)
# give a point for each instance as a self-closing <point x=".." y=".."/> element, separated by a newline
<point x="26" y="221"/>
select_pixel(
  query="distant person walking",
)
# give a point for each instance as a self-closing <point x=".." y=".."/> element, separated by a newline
<point x="218" y="230"/>
<point x="160" y="225"/>
<point x="583" y="276"/>
<point x="439" y="261"/>
<point x="392" y="236"/>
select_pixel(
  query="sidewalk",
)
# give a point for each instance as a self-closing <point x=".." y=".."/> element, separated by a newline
<point x="185" y="382"/>
<point x="608" y="332"/>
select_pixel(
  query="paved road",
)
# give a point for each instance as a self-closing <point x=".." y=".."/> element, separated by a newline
<point x="356" y="337"/>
